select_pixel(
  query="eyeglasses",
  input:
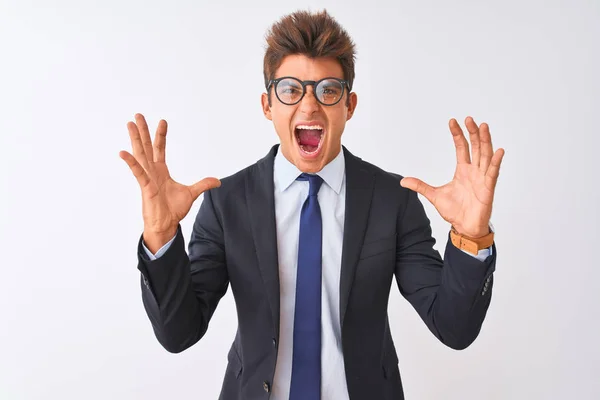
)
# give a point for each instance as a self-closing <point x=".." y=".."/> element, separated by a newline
<point x="290" y="90"/>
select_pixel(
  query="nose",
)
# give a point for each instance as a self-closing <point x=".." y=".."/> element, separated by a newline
<point x="309" y="103"/>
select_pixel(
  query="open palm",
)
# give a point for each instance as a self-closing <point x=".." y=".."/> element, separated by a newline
<point x="165" y="202"/>
<point x="466" y="201"/>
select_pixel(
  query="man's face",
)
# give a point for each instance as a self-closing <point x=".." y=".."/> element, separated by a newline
<point x="309" y="149"/>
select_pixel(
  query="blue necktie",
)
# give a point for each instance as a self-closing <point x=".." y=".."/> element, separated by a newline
<point x="306" y="361"/>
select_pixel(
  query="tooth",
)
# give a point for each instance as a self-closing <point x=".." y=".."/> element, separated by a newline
<point x="309" y="127"/>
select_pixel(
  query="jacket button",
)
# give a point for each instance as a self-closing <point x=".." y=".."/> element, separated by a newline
<point x="266" y="386"/>
<point x="274" y="342"/>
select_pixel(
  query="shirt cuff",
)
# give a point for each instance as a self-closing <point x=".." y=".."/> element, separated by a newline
<point x="160" y="251"/>
<point x="481" y="254"/>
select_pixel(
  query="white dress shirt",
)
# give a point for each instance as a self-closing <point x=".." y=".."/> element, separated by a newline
<point x="290" y="195"/>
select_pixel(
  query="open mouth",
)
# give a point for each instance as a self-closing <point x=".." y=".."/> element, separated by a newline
<point x="309" y="138"/>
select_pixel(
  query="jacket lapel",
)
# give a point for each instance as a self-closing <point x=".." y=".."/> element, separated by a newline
<point x="260" y="199"/>
<point x="359" y="190"/>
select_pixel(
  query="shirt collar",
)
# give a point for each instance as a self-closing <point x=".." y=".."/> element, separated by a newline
<point x="285" y="173"/>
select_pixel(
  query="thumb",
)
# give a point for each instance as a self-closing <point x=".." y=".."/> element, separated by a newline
<point x="419" y="186"/>
<point x="202" y="186"/>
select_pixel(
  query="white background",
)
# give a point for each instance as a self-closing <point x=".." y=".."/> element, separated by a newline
<point x="72" y="324"/>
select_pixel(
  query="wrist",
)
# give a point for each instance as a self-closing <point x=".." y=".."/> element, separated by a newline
<point x="155" y="240"/>
<point x="473" y="233"/>
<point x="472" y="244"/>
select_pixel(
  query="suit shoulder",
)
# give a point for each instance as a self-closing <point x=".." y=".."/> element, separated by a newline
<point x="232" y="185"/>
<point x="388" y="182"/>
<point x="382" y="175"/>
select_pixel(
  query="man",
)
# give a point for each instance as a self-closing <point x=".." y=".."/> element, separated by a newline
<point x="310" y="238"/>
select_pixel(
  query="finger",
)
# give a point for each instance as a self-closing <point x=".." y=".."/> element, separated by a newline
<point x="420" y="187"/>
<point x="136" y="168"/>
<point x="491" y="176"/>
<point x="146" y="141"/>
<point x="487" y="151"/>
<point x="474" y="137"/>
<point x="160" y="140"/>
<point x="205" y="184"/>
<point x="462" y="147"/>
<point x="137" y="145"/>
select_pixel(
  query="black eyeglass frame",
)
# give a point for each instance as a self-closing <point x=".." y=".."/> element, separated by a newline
<point x="275" y="82"/>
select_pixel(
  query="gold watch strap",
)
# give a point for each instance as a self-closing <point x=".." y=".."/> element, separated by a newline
<point x="471" y="245"/>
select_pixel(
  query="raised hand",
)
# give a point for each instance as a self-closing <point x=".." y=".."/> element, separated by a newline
<point x="466" y="201"/>
<point x="164" y="202"/>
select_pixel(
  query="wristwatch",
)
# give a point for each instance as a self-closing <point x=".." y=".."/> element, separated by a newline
<point x="472" y="245"/>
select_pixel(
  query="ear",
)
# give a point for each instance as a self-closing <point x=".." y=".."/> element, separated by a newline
<point x="264" y="99"/>
<point x="352" y="101"/>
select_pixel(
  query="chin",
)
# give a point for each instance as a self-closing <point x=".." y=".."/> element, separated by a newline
<point x="309" y="168"/>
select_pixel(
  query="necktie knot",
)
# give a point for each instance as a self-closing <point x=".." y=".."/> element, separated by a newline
<point x="314" y="182"/>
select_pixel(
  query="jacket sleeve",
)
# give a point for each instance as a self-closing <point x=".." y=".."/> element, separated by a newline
<point x="180" y="293"/>
<point x="450" y="295"/>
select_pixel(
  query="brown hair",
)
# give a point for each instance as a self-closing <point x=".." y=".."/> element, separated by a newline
<point x="311" y="34"/>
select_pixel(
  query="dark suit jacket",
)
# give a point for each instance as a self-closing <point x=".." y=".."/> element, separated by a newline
<point x="386" y="235"/>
